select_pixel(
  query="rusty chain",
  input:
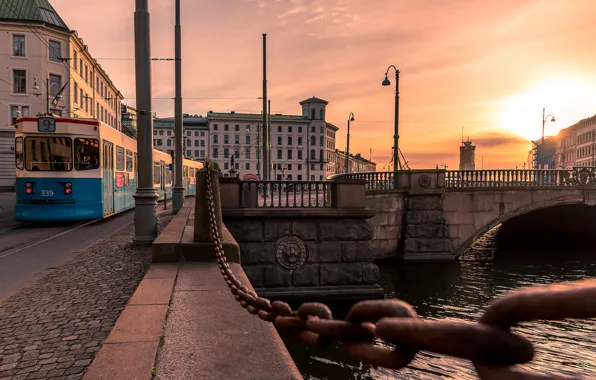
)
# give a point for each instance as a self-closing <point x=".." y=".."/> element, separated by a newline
<point x="493" y="349"/>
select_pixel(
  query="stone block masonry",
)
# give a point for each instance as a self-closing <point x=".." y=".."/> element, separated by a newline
<point x="53" y="328"/>
<point x="307" y="254"/>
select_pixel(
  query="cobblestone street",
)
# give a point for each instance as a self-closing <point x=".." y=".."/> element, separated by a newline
<point x="53" y="328"/>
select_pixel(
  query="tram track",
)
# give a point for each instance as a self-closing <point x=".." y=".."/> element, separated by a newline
<point x="14" y="228"/>
<point x="11" y="251"/>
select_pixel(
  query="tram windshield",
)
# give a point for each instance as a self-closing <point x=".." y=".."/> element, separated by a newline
<point x="48" y="153"/>
<point x="86" y="154"/>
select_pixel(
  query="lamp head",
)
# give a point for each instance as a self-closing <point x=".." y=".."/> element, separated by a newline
<point x="59" y="96"/>
<point x="352" y="118"/>
<point x="552" y="119"/>
<point x="35" y="86"/>
<point x="386" y="82"/>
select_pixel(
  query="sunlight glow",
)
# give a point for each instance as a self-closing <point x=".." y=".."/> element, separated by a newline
<point x="568" y="100"/>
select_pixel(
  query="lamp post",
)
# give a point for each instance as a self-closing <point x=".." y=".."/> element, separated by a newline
<point x="552" y="119"/>
<point x="145" y="196"/>
<point x="386" y="82"/>
<point x="178" y="188"/>
<point x="350" y="118"/>
<point x="48" y="88"/>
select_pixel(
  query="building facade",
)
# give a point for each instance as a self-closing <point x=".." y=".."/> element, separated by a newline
<point x="45" y="62"/>
<point x="575" y="146"/>
<point x="129" y="120"/>
<point x="195" y="136"/>
<point x="467" y="156"/>
<point x="356" y="163"/>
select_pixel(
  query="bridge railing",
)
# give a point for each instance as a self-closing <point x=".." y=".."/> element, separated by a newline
<point x="286" y="194"/>
<point x="519" y="178"/>
<point x="375" y="181"/>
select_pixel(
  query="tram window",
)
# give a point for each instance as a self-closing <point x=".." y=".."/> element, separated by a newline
<point x="119" y="158"/>
<point x="128" y="161"/>
<point x="18" y="152"/>
<point x="136" y="162"/>
<point x="48" y="154"/>
<point x="169" y="176"/>
<point x="156" y="173"/>
<point x="86" y="154"/>
<point x="185" y="171"/>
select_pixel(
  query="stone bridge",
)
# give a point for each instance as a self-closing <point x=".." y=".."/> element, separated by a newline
<point x="438" y="214"/>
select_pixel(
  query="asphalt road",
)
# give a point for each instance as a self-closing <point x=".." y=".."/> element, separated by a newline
<point x="27" y="251"/>
<point x="7" y="203"/>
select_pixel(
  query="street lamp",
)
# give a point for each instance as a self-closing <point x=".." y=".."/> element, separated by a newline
<point x="350" y="118"/>
<point x="48" y="88"/>
<point x="552" y="119"/>
<point x="386" y="82"/>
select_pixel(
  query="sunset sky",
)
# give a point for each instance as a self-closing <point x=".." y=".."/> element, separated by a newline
<point x="486" y="66"/>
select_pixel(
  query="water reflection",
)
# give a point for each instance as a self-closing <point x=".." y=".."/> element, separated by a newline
<point x="461" y="291"/>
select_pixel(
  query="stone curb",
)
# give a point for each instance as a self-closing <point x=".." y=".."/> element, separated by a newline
<point x="131" y="348"/>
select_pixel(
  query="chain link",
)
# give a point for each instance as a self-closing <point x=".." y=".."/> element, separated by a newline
<point x="489" y="344"/>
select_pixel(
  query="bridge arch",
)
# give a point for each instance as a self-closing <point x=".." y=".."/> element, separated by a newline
<point x="484" y="221"/>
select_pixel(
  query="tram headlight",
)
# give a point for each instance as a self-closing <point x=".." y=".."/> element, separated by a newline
<point x="28" y="187"/>
<point x="68" y="188"/>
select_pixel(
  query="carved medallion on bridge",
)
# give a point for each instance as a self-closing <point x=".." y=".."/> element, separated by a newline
<point x="424" y="180"/>
<point x="584" y="176"/>
<point x="291" y="252"/>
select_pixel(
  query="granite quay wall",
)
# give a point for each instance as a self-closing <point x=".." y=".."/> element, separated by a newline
<point x="302" y="252"/>
<point x="387" y="222"/>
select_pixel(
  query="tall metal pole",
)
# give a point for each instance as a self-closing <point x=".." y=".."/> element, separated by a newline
<point x="145" y="195"/>
<point x="396" y="129"/>
<point x="258" y="151"/>
<point x="266" y="163"/>
<point x="542" y="143"/>
<point x="178" y="189"/>
<point x="348" y="148"/>
<point x="269" y="133"/>
<point x="48" y="96"/>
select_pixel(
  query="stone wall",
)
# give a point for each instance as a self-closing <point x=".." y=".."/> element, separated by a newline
<point x="387" y="223"/>
<point x="306" y="254"/>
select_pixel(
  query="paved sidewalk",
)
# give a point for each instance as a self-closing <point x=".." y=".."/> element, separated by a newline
<point x="54" y="328"/>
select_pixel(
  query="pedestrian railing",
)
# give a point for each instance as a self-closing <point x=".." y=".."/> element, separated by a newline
<point x="285" y="194"/>
<point x="375" y="181"/>
<point x="508" y="178"/>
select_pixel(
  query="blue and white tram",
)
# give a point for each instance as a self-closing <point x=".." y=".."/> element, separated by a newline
<point x="80" y="169"/>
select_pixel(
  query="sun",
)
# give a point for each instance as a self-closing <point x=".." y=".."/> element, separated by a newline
<point x="568" y="100"/>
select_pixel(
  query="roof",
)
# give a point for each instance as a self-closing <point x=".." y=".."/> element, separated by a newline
<point x="329" y="125"/>
<point x="33" y="11"/>
<point x="314" y="100"/>
<point x="258" y="116"/>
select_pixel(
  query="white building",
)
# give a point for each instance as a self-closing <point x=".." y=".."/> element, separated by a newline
<point x="576" y="145"/>
<point x="195" y="136"/>
<point x="42" y="59"/>
<point x="302" y="146"/>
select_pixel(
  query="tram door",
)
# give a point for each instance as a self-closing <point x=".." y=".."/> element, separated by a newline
<point x="108" y="178"/>
<point x="162" y="165"/>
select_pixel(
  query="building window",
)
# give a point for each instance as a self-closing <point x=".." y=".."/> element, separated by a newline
<point x="226" y="166"/>
<point x="169" y="142"/>
<point x="196" y="142"/>
<point x="202" y="153"/>
<point x="248" y="166"/>
<point x="237" y="128"/>
<point x="313" y="141"/>
<point x="322" y="114"/>
<point x="196" y="133"/>
<point x="321" y="167"/>
<point x="321" y="157"/>
<point x="86" y="74"/>
<point x="18" y="45"/>
<point x="279" y="154"/>
<point x="299" y="166"/>
<point x="247" y="140"/>
<point x="196" y="153"/>
<point x="55" y="84"/>
<point x="202" y="142"/>
<point x="188" y="142"/>
<point x="226" y="139"/>
<point x="279" y="128"/>
<point x="226" y="153"/>
<point x="299" y="129"/>
<point x="236" y="139"/>
<point x="312" y="129"/>
<point x="169" y="133"/>
<point x="236" y="153"/>
<point x="279" y="140"/>
<point x="188" y="153"/>
<point x="226" y="127"/>
<point x="320" y="178"/>
<point x="18" y="111"/>
<point x="321" y="143"/>
<point x="299" y="154"/>
<point x="215" y="153"/>
<point x="76" y="93"/>
<point x="215" y="139"/>
<point x="247" y="129"/>
<point x="312" y="167"/>
<point x="289" y="140"/>
<point x="202" y="134"/>
<point x="312" y="114"/>
<point x="313" y="155"/>
<point x="215" y="127"/>
<point x="161" y="132"/>
<point x="299" y="140"/>
<point x="19" y="81"/>
<point x="55" y="52"/>
<point x="289" y="129"/>
<point x="299" y="177"/>
<point x="289" y="166"/>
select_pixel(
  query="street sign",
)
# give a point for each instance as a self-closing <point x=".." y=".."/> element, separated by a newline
<point x="12" y="148"/>
<point x="259" y="176"/>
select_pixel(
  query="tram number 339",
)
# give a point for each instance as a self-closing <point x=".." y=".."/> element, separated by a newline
<point x="47" y="193"/>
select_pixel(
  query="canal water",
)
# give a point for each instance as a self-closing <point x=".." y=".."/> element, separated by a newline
<point x="461" y="291"/>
